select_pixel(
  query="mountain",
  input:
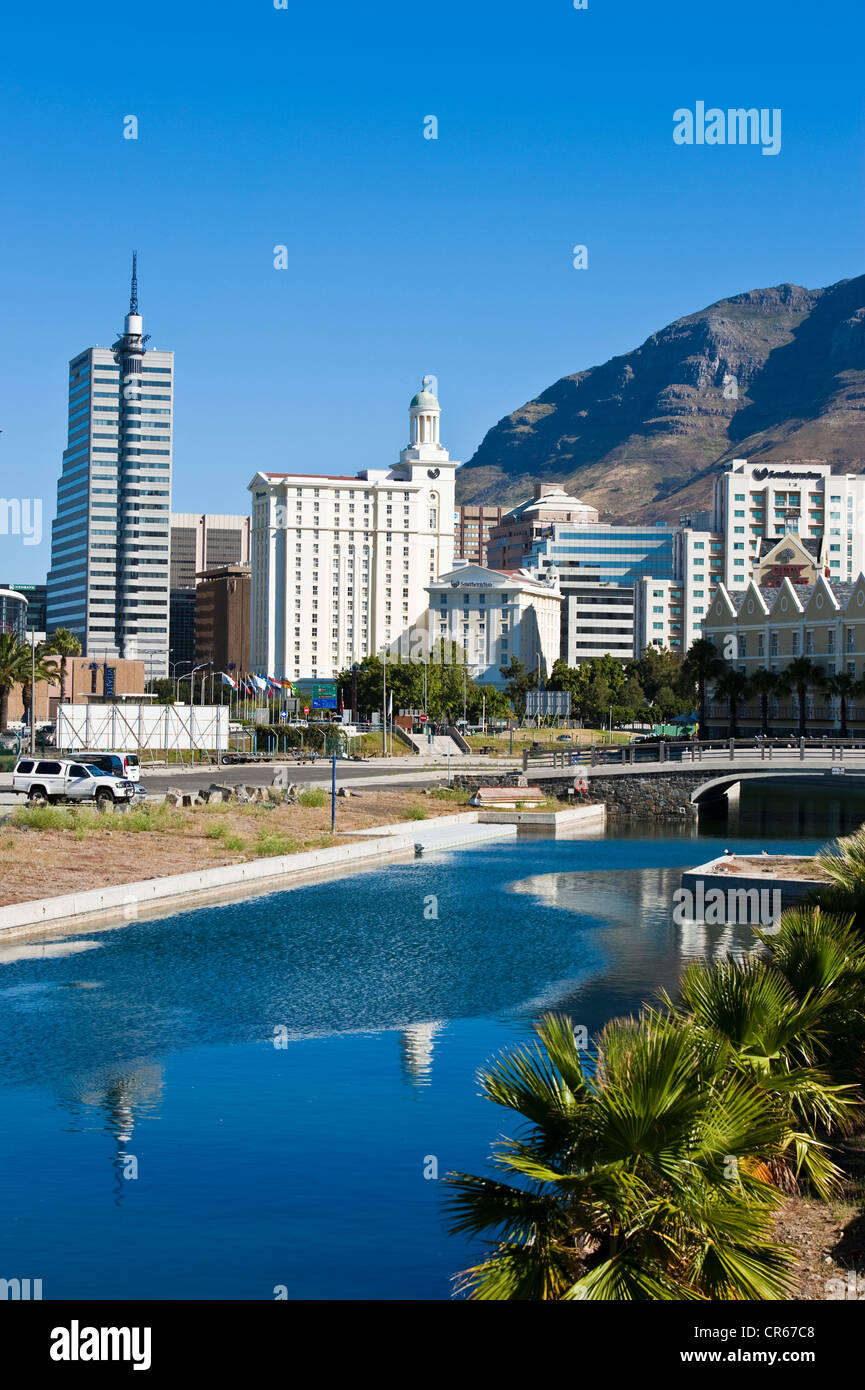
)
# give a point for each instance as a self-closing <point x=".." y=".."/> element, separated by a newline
<point x="642" y="436"/>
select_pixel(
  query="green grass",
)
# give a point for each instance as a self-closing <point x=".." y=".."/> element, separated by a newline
<point x="457" y="795"/>
<point x="415" y="813"/>
<point x="84" y="819"/>
<point x="268" y="845"/>
<point x="313" y="796"/>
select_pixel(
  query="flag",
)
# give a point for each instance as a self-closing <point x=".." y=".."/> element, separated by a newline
<point x="227" y="680"/>
<point x="259" y="682"/>
<point x="390" y="705"/>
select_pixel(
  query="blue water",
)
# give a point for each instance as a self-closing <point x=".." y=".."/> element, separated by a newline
<point x="151" y="1046"/>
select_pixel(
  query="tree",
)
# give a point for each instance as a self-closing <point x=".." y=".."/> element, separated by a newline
<point x="734" y="687"/>
<point x="844" y="688"/>
<point x="799" y="675"/>
<point x="766" y="683"/>
<point x="776" y="1043"/>
<point x="702" y="664"/>
<point x="638" y="1176"/>
<point x="163" y="689"/>
<point x="15" y="662"/>
<point x="64" y="643"/>
<point x="520" y="680"/>
<point x="658" y="667"/>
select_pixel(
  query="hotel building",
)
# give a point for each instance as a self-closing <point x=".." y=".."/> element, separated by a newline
<point x="341" y="563"/>
<point x="756" y="504"/>
<point x="496" y="616"/>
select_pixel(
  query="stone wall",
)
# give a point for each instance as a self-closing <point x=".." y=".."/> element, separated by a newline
<point x="662" y="795"/>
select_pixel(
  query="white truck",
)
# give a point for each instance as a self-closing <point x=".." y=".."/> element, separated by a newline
<point x="44" y="780"/>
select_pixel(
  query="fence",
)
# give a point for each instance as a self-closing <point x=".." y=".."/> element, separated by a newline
<point x="694" y="750"/>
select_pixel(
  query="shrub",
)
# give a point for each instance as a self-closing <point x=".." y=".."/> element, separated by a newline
<point x="313" y="796"/>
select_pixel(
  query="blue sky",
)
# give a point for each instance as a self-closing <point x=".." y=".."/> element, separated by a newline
<point x="304" y="127"/>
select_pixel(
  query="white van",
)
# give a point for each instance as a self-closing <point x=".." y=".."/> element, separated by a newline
<point x="117" y="764"/>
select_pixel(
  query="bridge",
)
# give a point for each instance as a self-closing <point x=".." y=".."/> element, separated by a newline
<point x="675" y="780"/>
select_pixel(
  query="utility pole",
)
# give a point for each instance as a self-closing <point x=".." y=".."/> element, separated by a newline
<point x="33" y="691"/>
<point x="384" y="700"/>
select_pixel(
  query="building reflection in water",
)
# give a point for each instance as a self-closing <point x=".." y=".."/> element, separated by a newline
<point x="416" y="1044"/>
<point x="123" y="1096"/>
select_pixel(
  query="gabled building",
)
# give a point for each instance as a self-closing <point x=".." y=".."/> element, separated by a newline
<point x="770" y="624"/>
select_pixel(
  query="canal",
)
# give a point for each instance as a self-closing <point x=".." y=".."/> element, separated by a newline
<point x="257" y="1096"/>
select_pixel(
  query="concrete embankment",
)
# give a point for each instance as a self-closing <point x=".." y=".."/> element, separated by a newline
<point x="124" y="901"/>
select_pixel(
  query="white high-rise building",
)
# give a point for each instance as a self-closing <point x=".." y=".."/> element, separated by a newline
<point x="755" y="504"/>
<point x="110" y="542"/>
<point x="341" y="563"/>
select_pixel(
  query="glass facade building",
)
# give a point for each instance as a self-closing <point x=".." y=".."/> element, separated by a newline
<point x="110" y="541"/>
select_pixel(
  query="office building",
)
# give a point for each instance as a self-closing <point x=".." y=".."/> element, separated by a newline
<point x="340" y="563"/>
<point x="512" y="540"/>
<point x="14" y="618"/>
<point x="110" y="541"/>
<point x="599" y="567"/>
<point x="222" y="608"/>
<point x="668" y="612"/>
<point x="36" y="596"/>
<point x="199" y="542"/>
<point x="496" y="617"/>
<point x="472" y="527"/>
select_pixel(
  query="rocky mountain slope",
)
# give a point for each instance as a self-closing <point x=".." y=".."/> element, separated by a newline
<point x="771" y="375"/>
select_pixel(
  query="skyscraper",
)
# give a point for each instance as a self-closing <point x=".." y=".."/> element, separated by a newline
<point x="110" y="542"/>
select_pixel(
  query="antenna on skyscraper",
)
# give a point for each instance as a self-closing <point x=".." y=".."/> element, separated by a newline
<point x="133" y="297"/>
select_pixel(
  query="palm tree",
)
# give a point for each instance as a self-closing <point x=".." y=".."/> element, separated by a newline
<point x="15" y="659"/>
<point x="734" y="687"/>
<point x="843" y="863"/>
<point x="64" y="643"/>
<point x="703" y="663"/>
<point x="775" y="1042"/>
<point x="766" y="683"/>
<point x="844" y="688"/>
<point x="799" y="675"/>
<point x="822" y="956"/>
<point x="637" y="1177"/>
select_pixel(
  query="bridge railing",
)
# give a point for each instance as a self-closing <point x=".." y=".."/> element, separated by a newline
<point x="830" y="750"/>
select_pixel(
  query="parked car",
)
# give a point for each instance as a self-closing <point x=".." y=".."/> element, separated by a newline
<point x="63" y="779"/>
<point x="564" y="738"/>
<point x="123" y="765"/>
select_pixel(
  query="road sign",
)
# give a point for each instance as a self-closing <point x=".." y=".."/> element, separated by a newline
<point x="283" y="715"/>
<point x="422" y="718"/>
<point x="306" y="709"/>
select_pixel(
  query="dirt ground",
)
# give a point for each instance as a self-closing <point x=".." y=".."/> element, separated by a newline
<point x="37" y="863"/>
<point x="828" y="1238"/>
<point x="775" y="864"/>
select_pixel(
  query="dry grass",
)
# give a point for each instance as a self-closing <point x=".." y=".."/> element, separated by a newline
<point x="55" y="850"/>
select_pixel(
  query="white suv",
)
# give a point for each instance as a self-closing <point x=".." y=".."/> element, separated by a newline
<point x="61" y="779"/>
